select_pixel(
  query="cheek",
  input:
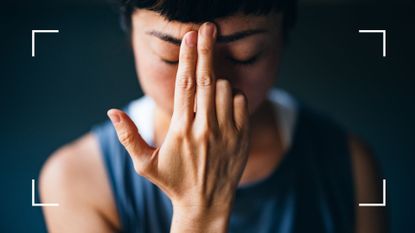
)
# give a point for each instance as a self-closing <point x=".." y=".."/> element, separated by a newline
<point x="156" y="79"/>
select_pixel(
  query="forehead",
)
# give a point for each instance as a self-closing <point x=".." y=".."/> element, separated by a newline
<point x="150" y="20"/>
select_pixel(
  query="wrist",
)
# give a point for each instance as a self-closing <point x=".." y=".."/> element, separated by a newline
<point x="204" y="219"/>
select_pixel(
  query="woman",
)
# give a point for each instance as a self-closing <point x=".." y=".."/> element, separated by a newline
<point x="217" y="149"/>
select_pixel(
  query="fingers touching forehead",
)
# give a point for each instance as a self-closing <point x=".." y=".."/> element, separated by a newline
<point x="152" y="23"/>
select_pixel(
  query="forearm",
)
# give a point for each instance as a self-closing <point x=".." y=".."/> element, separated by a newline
<point x="191" y="220"/>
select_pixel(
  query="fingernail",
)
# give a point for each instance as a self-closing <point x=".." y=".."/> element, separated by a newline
<point x="190" y="39"/>
<point x="114" y="117"/>
<point x="209" y="29"/>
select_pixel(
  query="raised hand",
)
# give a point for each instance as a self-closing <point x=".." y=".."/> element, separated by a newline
<point x="205" y="151"/>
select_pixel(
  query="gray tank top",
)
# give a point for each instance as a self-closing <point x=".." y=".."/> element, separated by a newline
<point x="311" y="190"/>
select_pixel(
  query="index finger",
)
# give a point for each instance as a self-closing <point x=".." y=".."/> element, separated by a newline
<point x="184" y="90"/>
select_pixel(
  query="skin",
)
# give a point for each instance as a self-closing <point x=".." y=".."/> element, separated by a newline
<point x="199" y="122"/>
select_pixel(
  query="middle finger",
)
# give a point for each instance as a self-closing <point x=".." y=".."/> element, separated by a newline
<point x="205" y="78"/>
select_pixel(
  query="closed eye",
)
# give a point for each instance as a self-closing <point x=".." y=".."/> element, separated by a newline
<point x="169" y="62"/>
<point x="248" y="61"/>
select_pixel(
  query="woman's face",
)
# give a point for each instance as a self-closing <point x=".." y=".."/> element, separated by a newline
<point x="247" y="53"/>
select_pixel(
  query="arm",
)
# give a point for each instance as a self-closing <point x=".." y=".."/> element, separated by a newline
<point x="368" y="185"/>
<point x="75" y="178"/>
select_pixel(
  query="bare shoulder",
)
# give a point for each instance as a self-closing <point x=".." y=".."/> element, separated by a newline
<point x="368" y="187"/>
<point x="74" y="176"/>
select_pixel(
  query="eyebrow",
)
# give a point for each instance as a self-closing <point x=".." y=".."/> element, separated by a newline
<point x="220" y="39"/>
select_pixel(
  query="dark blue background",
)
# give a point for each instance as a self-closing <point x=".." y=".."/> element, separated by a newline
<point x="87" y="68"/>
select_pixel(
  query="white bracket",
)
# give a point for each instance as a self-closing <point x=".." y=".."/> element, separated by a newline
<point x="34" y="35"/>
<point x="383" y="38"/>
<point x="40" y="204"/>
<point x="383" y="204"/>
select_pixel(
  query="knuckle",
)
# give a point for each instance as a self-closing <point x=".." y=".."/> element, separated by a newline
<point x="200" y="133"/>
<point x="186" y="56"/>
<point x="204" y="50"/>
<point x="180" y="131"/>
<point x="126" y="138"/>
<point x="206" y="134"/>
<point x="185" y="81"/>
<point x="205" y="79"/>
<point x="201" y="137"/>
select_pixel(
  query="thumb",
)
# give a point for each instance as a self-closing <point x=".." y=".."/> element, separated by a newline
<point x="130" y="138"/>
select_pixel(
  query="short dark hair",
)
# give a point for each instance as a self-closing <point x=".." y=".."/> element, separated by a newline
<point x="197" y="11"/>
